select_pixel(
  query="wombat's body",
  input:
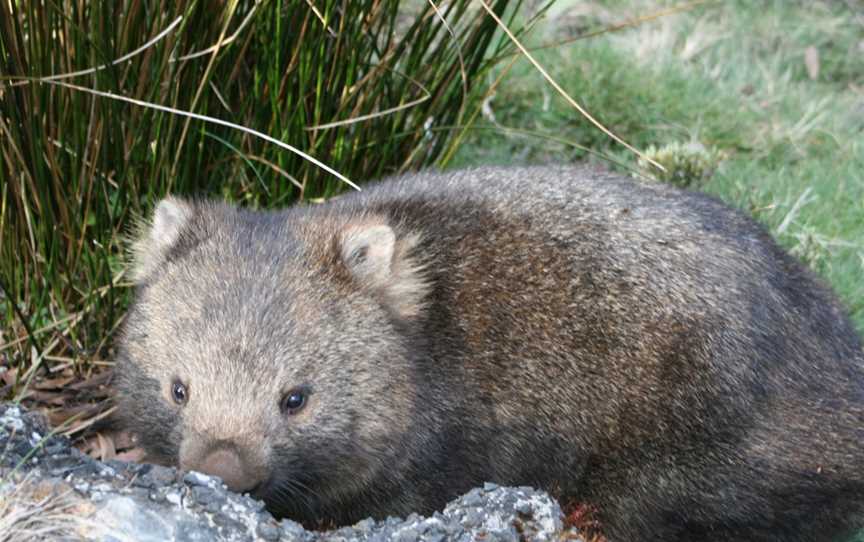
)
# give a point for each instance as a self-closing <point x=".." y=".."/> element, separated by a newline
<point x="643" y="349"/>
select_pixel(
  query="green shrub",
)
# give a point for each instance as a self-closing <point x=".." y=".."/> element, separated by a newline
<point x="687" y="164"/>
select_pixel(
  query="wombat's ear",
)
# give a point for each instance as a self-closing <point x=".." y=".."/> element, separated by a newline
<point x="157" y="237"/>
<point x="379" y="260"/>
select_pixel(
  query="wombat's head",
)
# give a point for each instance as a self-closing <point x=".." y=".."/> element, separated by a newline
<point x="270" y="349"/>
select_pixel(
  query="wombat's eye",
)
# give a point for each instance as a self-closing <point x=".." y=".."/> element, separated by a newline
<point x="179" y="392"/>
<point x="293" y="401"/>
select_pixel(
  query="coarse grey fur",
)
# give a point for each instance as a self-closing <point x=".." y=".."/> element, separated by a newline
<point x="646" y="350"/>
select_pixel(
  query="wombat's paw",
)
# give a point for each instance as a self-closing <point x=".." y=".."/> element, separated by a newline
<point x="47" y="484"/>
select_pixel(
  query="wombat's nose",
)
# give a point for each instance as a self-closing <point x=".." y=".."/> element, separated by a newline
<point x="229" y="466"/>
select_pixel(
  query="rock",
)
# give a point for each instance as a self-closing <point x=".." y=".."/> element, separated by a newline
<point x="75" y="496"/>
<point x="268" y="531"/>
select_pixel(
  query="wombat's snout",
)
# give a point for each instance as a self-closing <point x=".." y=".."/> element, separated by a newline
<point x="228" y="464"/>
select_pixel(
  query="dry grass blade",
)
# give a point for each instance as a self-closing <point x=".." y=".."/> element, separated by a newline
<point x="454" y="146"/>
<point x="389" y="111"/>
<point x="67" y="323"/>
<point x="211" y="120"/>
<point x="98" y="415"/>
<point x="275" y="168"/>
<point x="318" y="14"/>
<point x="115" y="62"/>
<point x="462" y="72"/>
<point x="31" y="510"/>
<point x="802" y="200"/>
<point x="214" y="48"/>
<point x="561" y="91"/>
<point x="202" y="84"/>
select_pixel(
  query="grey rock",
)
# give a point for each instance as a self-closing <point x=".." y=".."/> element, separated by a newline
<point x="125" y="501"/>
<point x="158" y="474"/>
<point x="205" y="495"/>
<point x="198" y="479"/>
<point x="268" y="531"/>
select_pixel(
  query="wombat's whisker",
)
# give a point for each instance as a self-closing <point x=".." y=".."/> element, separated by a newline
<point x="292" y="491"/>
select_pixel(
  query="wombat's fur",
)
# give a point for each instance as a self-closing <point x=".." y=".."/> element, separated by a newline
<point x="643" y="349"/>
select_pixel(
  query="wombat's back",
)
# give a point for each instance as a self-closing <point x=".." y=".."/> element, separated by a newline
<point x="654" y="344"/>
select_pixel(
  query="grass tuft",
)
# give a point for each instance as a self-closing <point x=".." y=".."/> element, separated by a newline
<point x="326" y="77"/>
<point x="685" y="164"/>
<point x="33" y="510"/>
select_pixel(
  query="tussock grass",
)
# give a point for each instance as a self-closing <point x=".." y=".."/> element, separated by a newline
<point x="330" y="78"/>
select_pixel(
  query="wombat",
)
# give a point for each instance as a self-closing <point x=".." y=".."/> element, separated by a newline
<point x="643" y="349"/>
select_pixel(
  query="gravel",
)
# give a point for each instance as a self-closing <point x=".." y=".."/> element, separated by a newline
<point x="113" y="500"/>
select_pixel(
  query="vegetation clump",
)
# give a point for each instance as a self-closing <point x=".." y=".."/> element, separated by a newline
<point x="686" y="164"/>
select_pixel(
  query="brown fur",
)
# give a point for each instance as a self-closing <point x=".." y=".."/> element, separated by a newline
<point x="642" y="349"/>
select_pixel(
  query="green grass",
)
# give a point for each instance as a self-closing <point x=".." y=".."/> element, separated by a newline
<point x="732" y="76"/>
